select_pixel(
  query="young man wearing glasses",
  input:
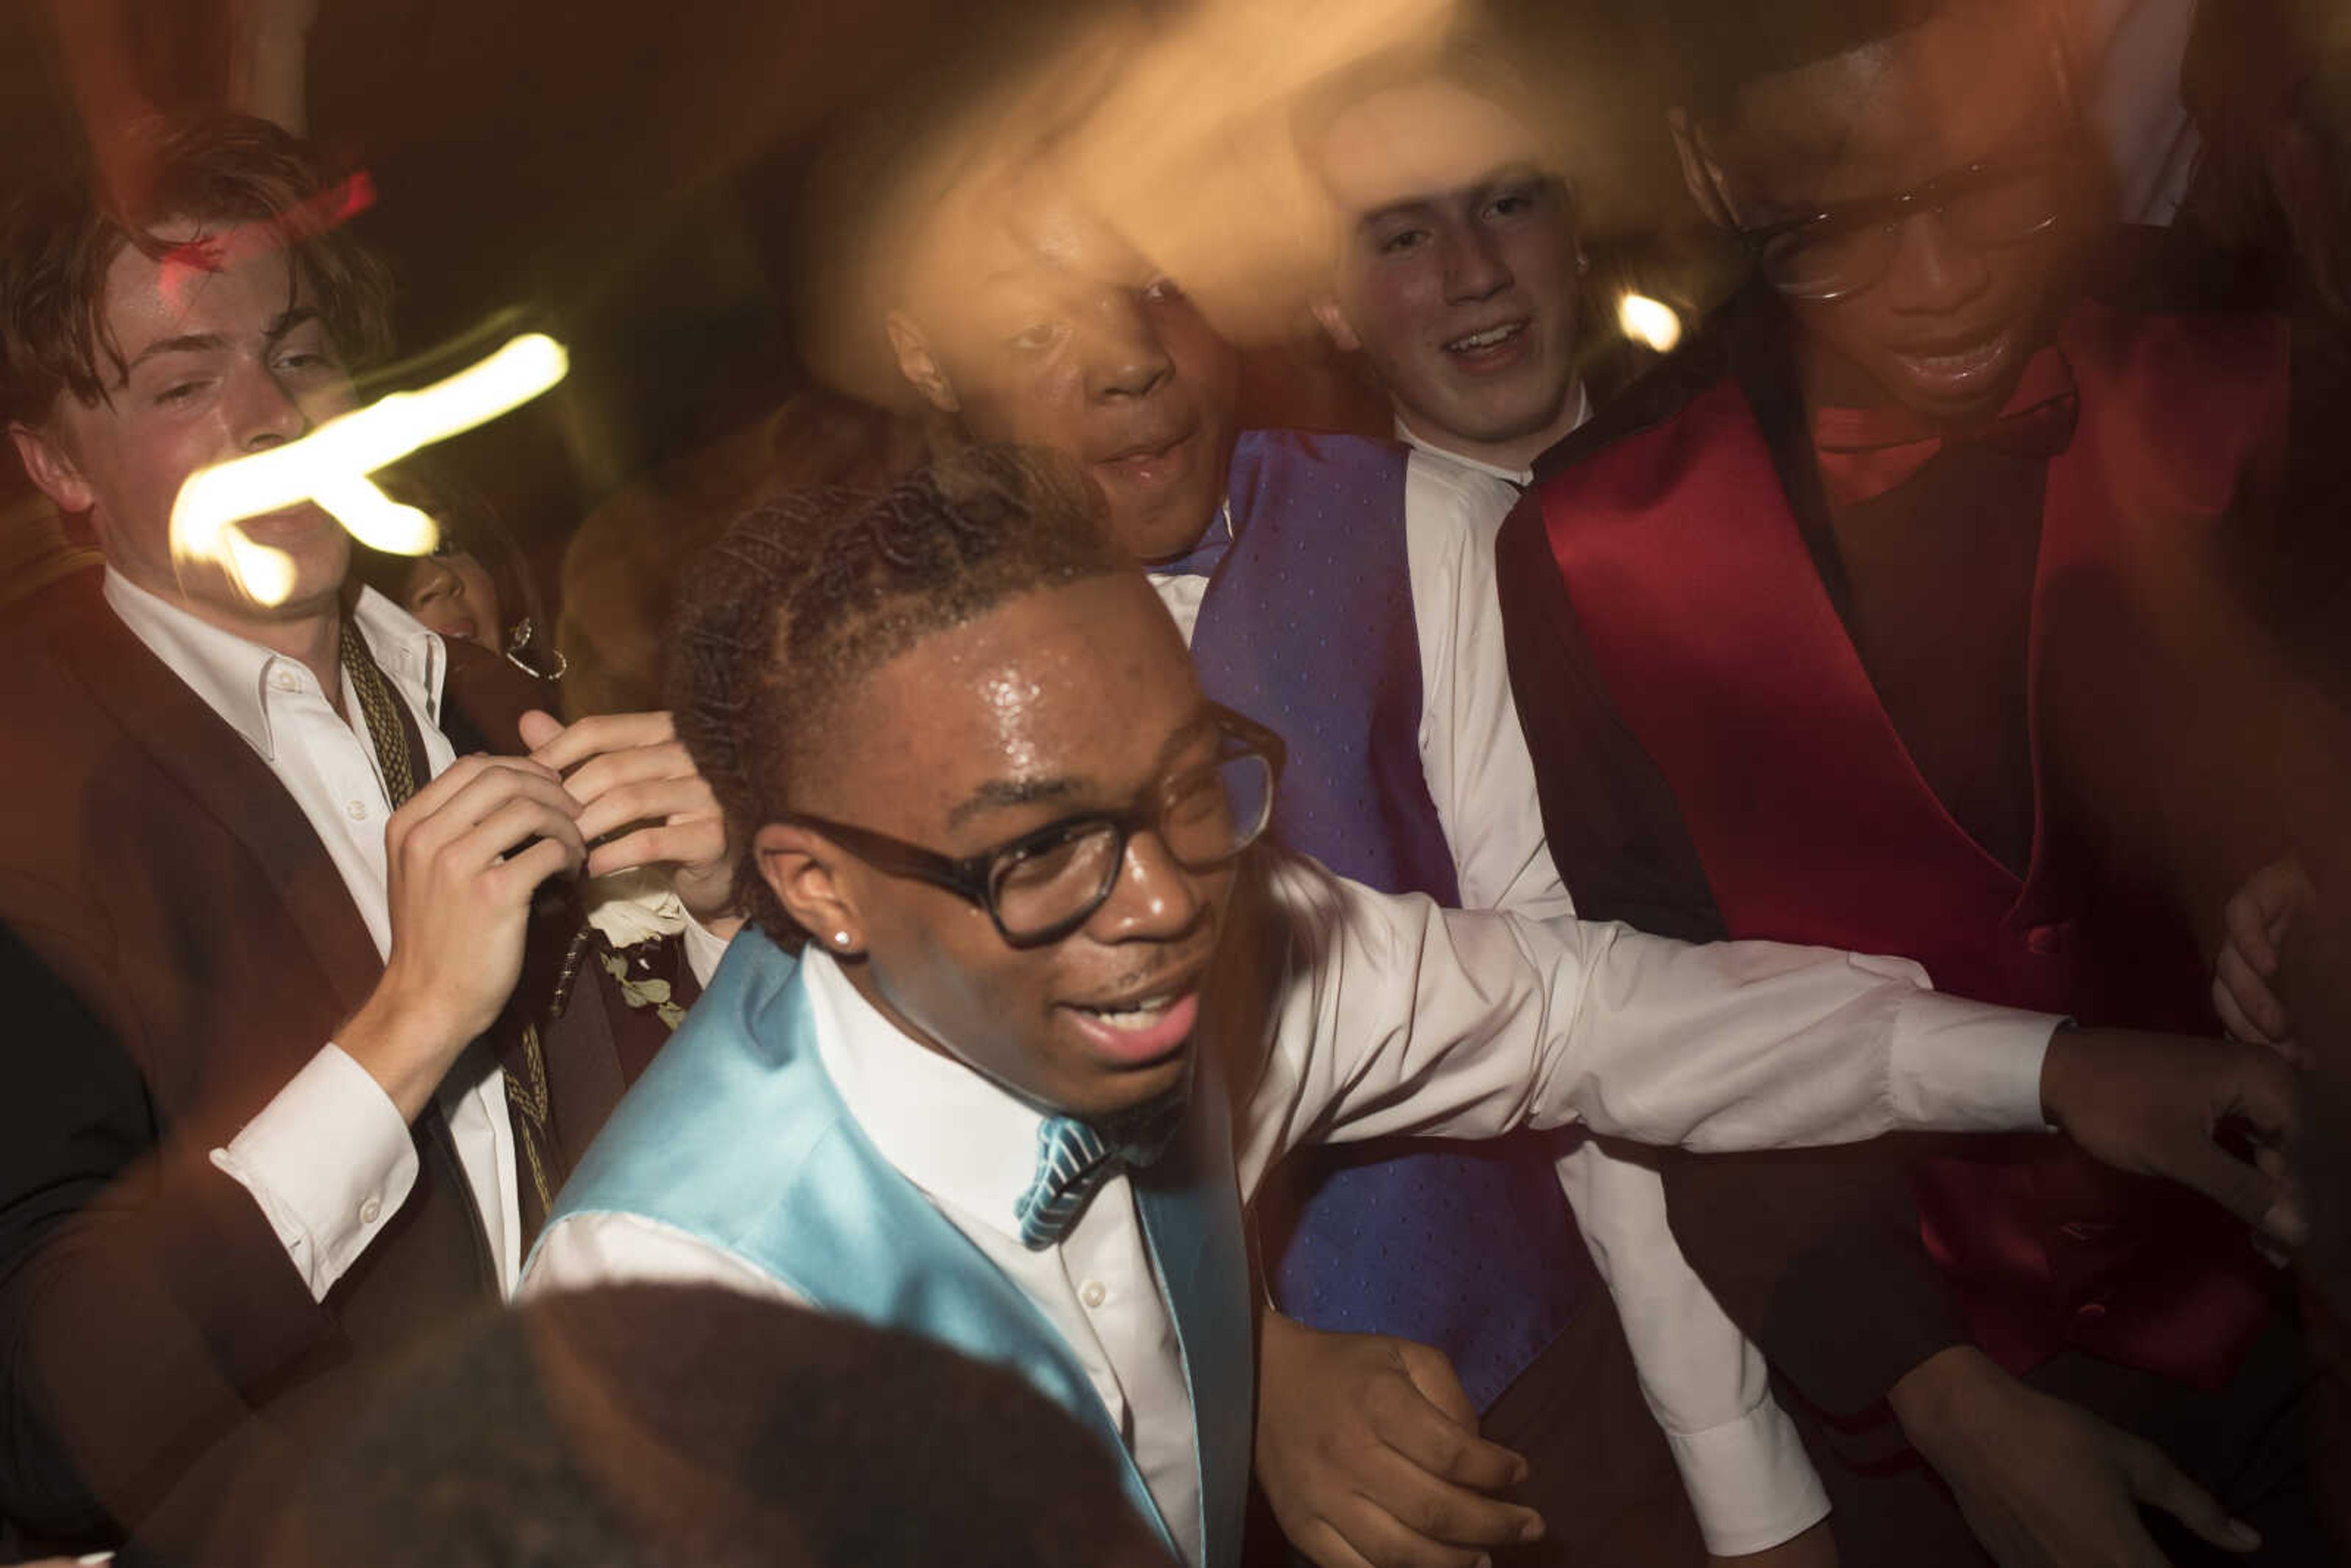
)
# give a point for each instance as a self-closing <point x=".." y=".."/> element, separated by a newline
<point x="1341" y="590"/>
<point x="1797" y="628"/>
<point x="1050" y="1022"/>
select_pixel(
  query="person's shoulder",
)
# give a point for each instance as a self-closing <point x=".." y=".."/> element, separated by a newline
<point x="1318" y="457"/>
<point x="1654" y="399"/>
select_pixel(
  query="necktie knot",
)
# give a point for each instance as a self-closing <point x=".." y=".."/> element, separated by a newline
<point x="1076" y="1159"/>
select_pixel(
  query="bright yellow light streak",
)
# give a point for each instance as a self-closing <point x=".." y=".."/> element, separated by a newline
<point x="1650" y="321"/>
<point x="375" y="520"/>
<point x="331" y="466"/>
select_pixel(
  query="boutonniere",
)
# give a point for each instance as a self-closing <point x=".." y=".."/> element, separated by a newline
<point x="647" y="990"/>
<point x="631" y="906"/>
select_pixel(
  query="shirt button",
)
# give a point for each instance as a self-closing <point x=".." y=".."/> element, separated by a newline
<point x="370" y="1210"/>
<point x="285" y="680"/>
<point x="1094" y="1293"/>
<point x="355" y="809"/>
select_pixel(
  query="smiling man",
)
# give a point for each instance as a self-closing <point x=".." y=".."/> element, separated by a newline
<point x="1054" y="1013"/>
<point x="1454" y="270"/>
<point x="1341" y="590"/>
<point x="317" y="1072"/>
<point x="1801" y="629"/>
<point x="1456" y="261"/>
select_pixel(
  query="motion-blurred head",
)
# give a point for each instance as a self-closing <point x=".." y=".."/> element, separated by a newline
<point x="1029" y="320"/>
<point x="1910" y="175"/>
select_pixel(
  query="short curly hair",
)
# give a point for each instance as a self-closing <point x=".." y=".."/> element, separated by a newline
<point x="58" y="243"/>
<point x="779" y="620"/>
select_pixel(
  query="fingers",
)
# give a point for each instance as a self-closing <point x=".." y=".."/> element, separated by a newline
<point x="600" y="734"/>
<point x="2157" y="1482"/>
<point x="1386" y="1541"/>
<point x="1326" y="1548"/>
<point x="539" y="726"/>
<point x="690" y="843"/>
<point x="506" y="835"/>
<point x="2240" y="1188"/>
<point x="2248" y="917"/>
<point x="1438" y="1510"/>
<point x="1422" y="1433"/>
<point x="654" y="800"/>
<point x="2249" y="1010"/>
<point x="467" y="793"/>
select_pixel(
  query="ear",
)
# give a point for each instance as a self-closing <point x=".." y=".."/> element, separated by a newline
<point x="1333" y="323"/>
<point x="918" y="364"/>
<point x="52" y="469"/>
<point x="1701" y="175"/>
<point x="800" y="867"/>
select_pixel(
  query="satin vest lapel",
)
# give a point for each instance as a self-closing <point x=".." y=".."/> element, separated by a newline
<point x="736" y="1134"/>
<point x="214" y="764"/>
<point x="1191" y="1211"/>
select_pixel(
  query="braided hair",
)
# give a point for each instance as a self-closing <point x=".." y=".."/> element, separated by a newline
<point x="779" y="621"/>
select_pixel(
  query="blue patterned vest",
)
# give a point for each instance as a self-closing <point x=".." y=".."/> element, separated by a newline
<point x="737" y="1136"/>
<point x="1308" y="627"/>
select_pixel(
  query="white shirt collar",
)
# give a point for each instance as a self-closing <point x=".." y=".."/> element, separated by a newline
<point x="232" y="675"/>
<point x="1522" y="478"/>
<point x="961" y="1138"/>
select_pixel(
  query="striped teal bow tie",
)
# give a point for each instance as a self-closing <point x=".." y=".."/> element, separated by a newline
<point x="1075" y="1158"/>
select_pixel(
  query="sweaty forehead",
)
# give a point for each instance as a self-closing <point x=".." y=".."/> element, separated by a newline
<point x="1079" y="685"/>
<point x="1418" y="140"/>
<point x="1976" y="83"/>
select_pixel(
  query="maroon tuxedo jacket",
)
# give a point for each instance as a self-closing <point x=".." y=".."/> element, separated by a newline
<point x="1715" y="761"/>
<point x="175" y="944"/>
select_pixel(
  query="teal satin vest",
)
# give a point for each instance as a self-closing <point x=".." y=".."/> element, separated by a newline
<point x="737" y="1137"/>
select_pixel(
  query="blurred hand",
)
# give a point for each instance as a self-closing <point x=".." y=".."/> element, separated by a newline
<point x="2148" y="1104"/>
<point x="643" y="803"/>
<point x="2043" y="1483"/>
<point x="2258" y="919"/>
<point x="1815" y="1548"/>
<point x="1368" y="1450"/>
<point x="464" y="857"/>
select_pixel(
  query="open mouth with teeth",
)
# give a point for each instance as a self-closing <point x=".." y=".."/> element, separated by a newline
<point x="1132" y="1031"/>
<point x="1490" y="345"/>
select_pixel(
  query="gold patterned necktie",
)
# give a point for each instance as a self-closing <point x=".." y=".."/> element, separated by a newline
<point x="526" y="1082"/>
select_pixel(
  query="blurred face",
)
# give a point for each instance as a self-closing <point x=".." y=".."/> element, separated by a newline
<point x="1065" y="338"/>
<point x="453" y="594"/>
<point x="1457" y="267"/>
<point x="1064" y="702"/>
<point x="221" y="364"/>
<point x="1948" y="325"/>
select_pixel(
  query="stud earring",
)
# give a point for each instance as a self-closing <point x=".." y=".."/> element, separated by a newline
<point x="1582" y="264"/>
<point x="841" y="938"/>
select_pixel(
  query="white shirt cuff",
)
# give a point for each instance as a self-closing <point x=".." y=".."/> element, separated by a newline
<point x="1749" y="1481"/>
<point x="1966" y="1067"/>
<point x="704" y="949"/>
<point x="329" y="1161"/>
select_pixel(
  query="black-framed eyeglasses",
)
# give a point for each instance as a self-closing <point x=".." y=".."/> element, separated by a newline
<point x="1044" y="885"/>
<point x="1842" y="250"/>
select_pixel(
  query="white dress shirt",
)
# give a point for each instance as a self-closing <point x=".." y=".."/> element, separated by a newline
<point x="1394" y="1016"/>
<point x="330" y="1159"/>
<point x="1740" y="1459"/>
